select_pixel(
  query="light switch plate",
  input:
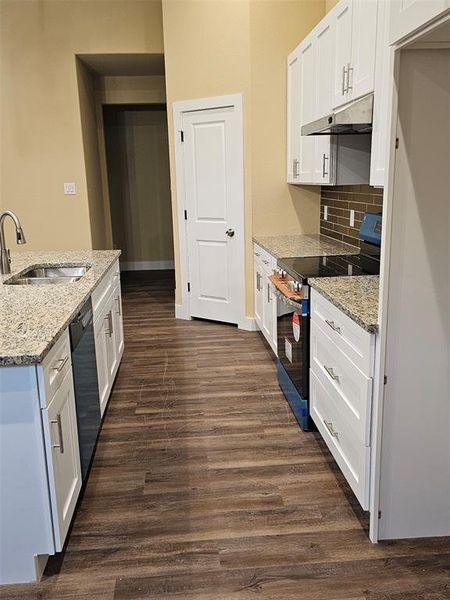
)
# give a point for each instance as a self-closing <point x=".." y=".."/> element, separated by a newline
<point x="325" y="213"/>
<point x="69" y="189"/>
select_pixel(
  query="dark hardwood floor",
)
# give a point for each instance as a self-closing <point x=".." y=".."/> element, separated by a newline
<point x="203" y="487"/>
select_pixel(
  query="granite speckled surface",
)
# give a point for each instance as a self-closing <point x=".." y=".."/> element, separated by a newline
<point x="32" y="317"/>
<point x="283" y="246"/>
<point x="357" y="297"/>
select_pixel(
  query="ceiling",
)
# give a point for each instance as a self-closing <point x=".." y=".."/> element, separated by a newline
<point x="125" y="64"/>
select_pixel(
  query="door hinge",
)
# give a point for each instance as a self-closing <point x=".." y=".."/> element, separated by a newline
<point x="189" y="287"/>
<point x="385" y="380"/>
<point x="396" y="143"/>
<point x="185" y="215"/>
<point x="181" y="135"/>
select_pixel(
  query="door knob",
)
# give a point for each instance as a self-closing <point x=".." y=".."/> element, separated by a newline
<point x="230" y="232"/>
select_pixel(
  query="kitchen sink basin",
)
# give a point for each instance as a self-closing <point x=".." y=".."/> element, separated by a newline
<point x="49" y="275"/>
<point x="55" y="272"/>
<point x="41" y="280"/>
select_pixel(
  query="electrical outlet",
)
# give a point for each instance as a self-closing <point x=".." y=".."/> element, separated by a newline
<point x="325" y="213"/>
<point x="352" y="218"/>
<point x="69" y="189"/>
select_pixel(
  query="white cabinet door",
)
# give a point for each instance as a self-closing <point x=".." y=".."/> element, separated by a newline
<point x="267" y="310"/>
<point x="324" y="161"/>
<point x="325" y="44"/>
<point x="101" y="326"/>
<point x="293" y="117"/>
<point x="63" y="455"/>
<point x="342" y="51"/>
<point x="308" y="111"/>
<point x="118" y="323"/>
<point x="111" y="351"/>
<point x="258" y="271"/>
<point x="382" y="102"/>
<point x="364" y="37"/>
<point x="408" y="16"/>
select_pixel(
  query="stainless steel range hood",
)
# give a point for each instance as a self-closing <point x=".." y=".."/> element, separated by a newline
<point x="351" y="119"/>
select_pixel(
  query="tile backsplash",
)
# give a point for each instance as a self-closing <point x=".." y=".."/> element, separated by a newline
<point x="340" y="200"/>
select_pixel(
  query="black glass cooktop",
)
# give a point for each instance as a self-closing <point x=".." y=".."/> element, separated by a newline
<point x="329" y="266"/>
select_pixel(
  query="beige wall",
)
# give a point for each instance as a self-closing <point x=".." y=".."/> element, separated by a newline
<point x="139" y="184"/>
<point x="41" y="140"/>
<point x="131" y="89"/>
<point x="225" y="47"/>
<point x="330" y="4"/>
<point x="97" y="217"/>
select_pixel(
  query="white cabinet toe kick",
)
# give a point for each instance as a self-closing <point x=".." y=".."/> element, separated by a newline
<point x="40" y="470"/>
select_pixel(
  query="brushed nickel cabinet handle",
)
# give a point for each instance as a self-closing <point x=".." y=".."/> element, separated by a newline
<point x="331" y="373"/>
<point x="109" y="331"/>
<point x="62" y="362"/>
<point x="58" y="423"/>
<point x="295" y="167"/>
<point x="349" y="69"/>
<point x="258" y="284"/>
<point x="329" y="426"/>
<point x="268" y="293"/>
<point x="333" y="326"/>
<point x="119" y="306"/>
<point x="344" y="73"/>
<point x="324" y="160"/>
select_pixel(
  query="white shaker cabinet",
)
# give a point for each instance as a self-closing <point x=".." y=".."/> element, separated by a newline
<point x="293" y="117"/>
<point x="407" y="16"/>
<point x="355" y="43"/>
<point x="265" y="298"/>
<point x="63" y="456"/>
<point x="307" y="111"/>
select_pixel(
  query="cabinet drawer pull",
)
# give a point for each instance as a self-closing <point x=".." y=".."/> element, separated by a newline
<point x="256" y="253"/>
<point x="119" y="306"/>
<point x="268" y="293"/>
<point x="266" y="262"/>
<point x="295" y="167"/>
<point x="331" y="373"/>
<point x="258" y="282"/>
<point x="57" y="422"/>
<point x="324" y="171"/>
<point x="62" y="362"/>
<point x="329" y="426"/>
<point x="333" y="326"/>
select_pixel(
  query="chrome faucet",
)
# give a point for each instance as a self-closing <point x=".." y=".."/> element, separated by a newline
<point x="5" y="258"/>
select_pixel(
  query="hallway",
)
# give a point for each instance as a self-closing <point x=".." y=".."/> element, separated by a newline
<point x="204" y="487"/>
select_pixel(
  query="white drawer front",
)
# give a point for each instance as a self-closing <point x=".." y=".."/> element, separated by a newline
<point x="350" y="454"/>
<point x="346" y="384"/>
<point x="54" y="368"/>
<point x="352" y="339"/>
<point x="268" y="261"/>
<point x="105" y="287"/>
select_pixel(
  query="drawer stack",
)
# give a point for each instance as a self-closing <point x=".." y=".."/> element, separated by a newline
<point x="342" y="363"/>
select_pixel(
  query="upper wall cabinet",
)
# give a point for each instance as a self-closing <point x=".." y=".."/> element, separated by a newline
<point x="408" y="16"/>
<point x="355" y="26"/>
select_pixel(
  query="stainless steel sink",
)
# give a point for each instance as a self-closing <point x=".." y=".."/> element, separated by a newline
<point x="55" y="272"/>
<point x="49" y="275"/>
<point x="41" y="280"/>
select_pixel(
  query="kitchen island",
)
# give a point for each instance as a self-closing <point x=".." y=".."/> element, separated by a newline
<point x="42" y="435"/>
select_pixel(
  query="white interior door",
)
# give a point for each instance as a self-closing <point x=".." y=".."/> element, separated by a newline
<point x="214" y="201"/>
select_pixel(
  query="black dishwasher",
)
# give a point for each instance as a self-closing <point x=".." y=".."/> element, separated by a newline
<point x="87" y="400"/>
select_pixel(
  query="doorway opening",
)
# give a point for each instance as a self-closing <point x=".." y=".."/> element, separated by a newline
<point x="125" y="137"/>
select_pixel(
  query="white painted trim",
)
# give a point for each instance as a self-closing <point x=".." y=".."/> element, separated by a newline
<point x="147" y="265"/>
<point x="248" y="324"/>
<point x="181" y="312"/>
<point x="179" y="108"/>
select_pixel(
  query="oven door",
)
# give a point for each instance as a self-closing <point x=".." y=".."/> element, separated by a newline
<point x="293" y="341"/>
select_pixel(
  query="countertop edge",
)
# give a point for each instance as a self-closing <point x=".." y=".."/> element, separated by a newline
<point x="28" y="360"/>
<point x="369" y="327"/>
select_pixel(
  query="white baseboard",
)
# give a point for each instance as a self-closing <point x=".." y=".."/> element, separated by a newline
<point x="248" y="324"/>
<point x="147" y="265"/>
<point x="182" y="312"/>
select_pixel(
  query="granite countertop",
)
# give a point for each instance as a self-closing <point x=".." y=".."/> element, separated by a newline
<point x="356" y="296"/>
<point x="284" y="246"/>
<point x="32" y="317"/>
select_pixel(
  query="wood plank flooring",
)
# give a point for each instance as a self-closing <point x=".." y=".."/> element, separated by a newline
<point x="203" y="487"/>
